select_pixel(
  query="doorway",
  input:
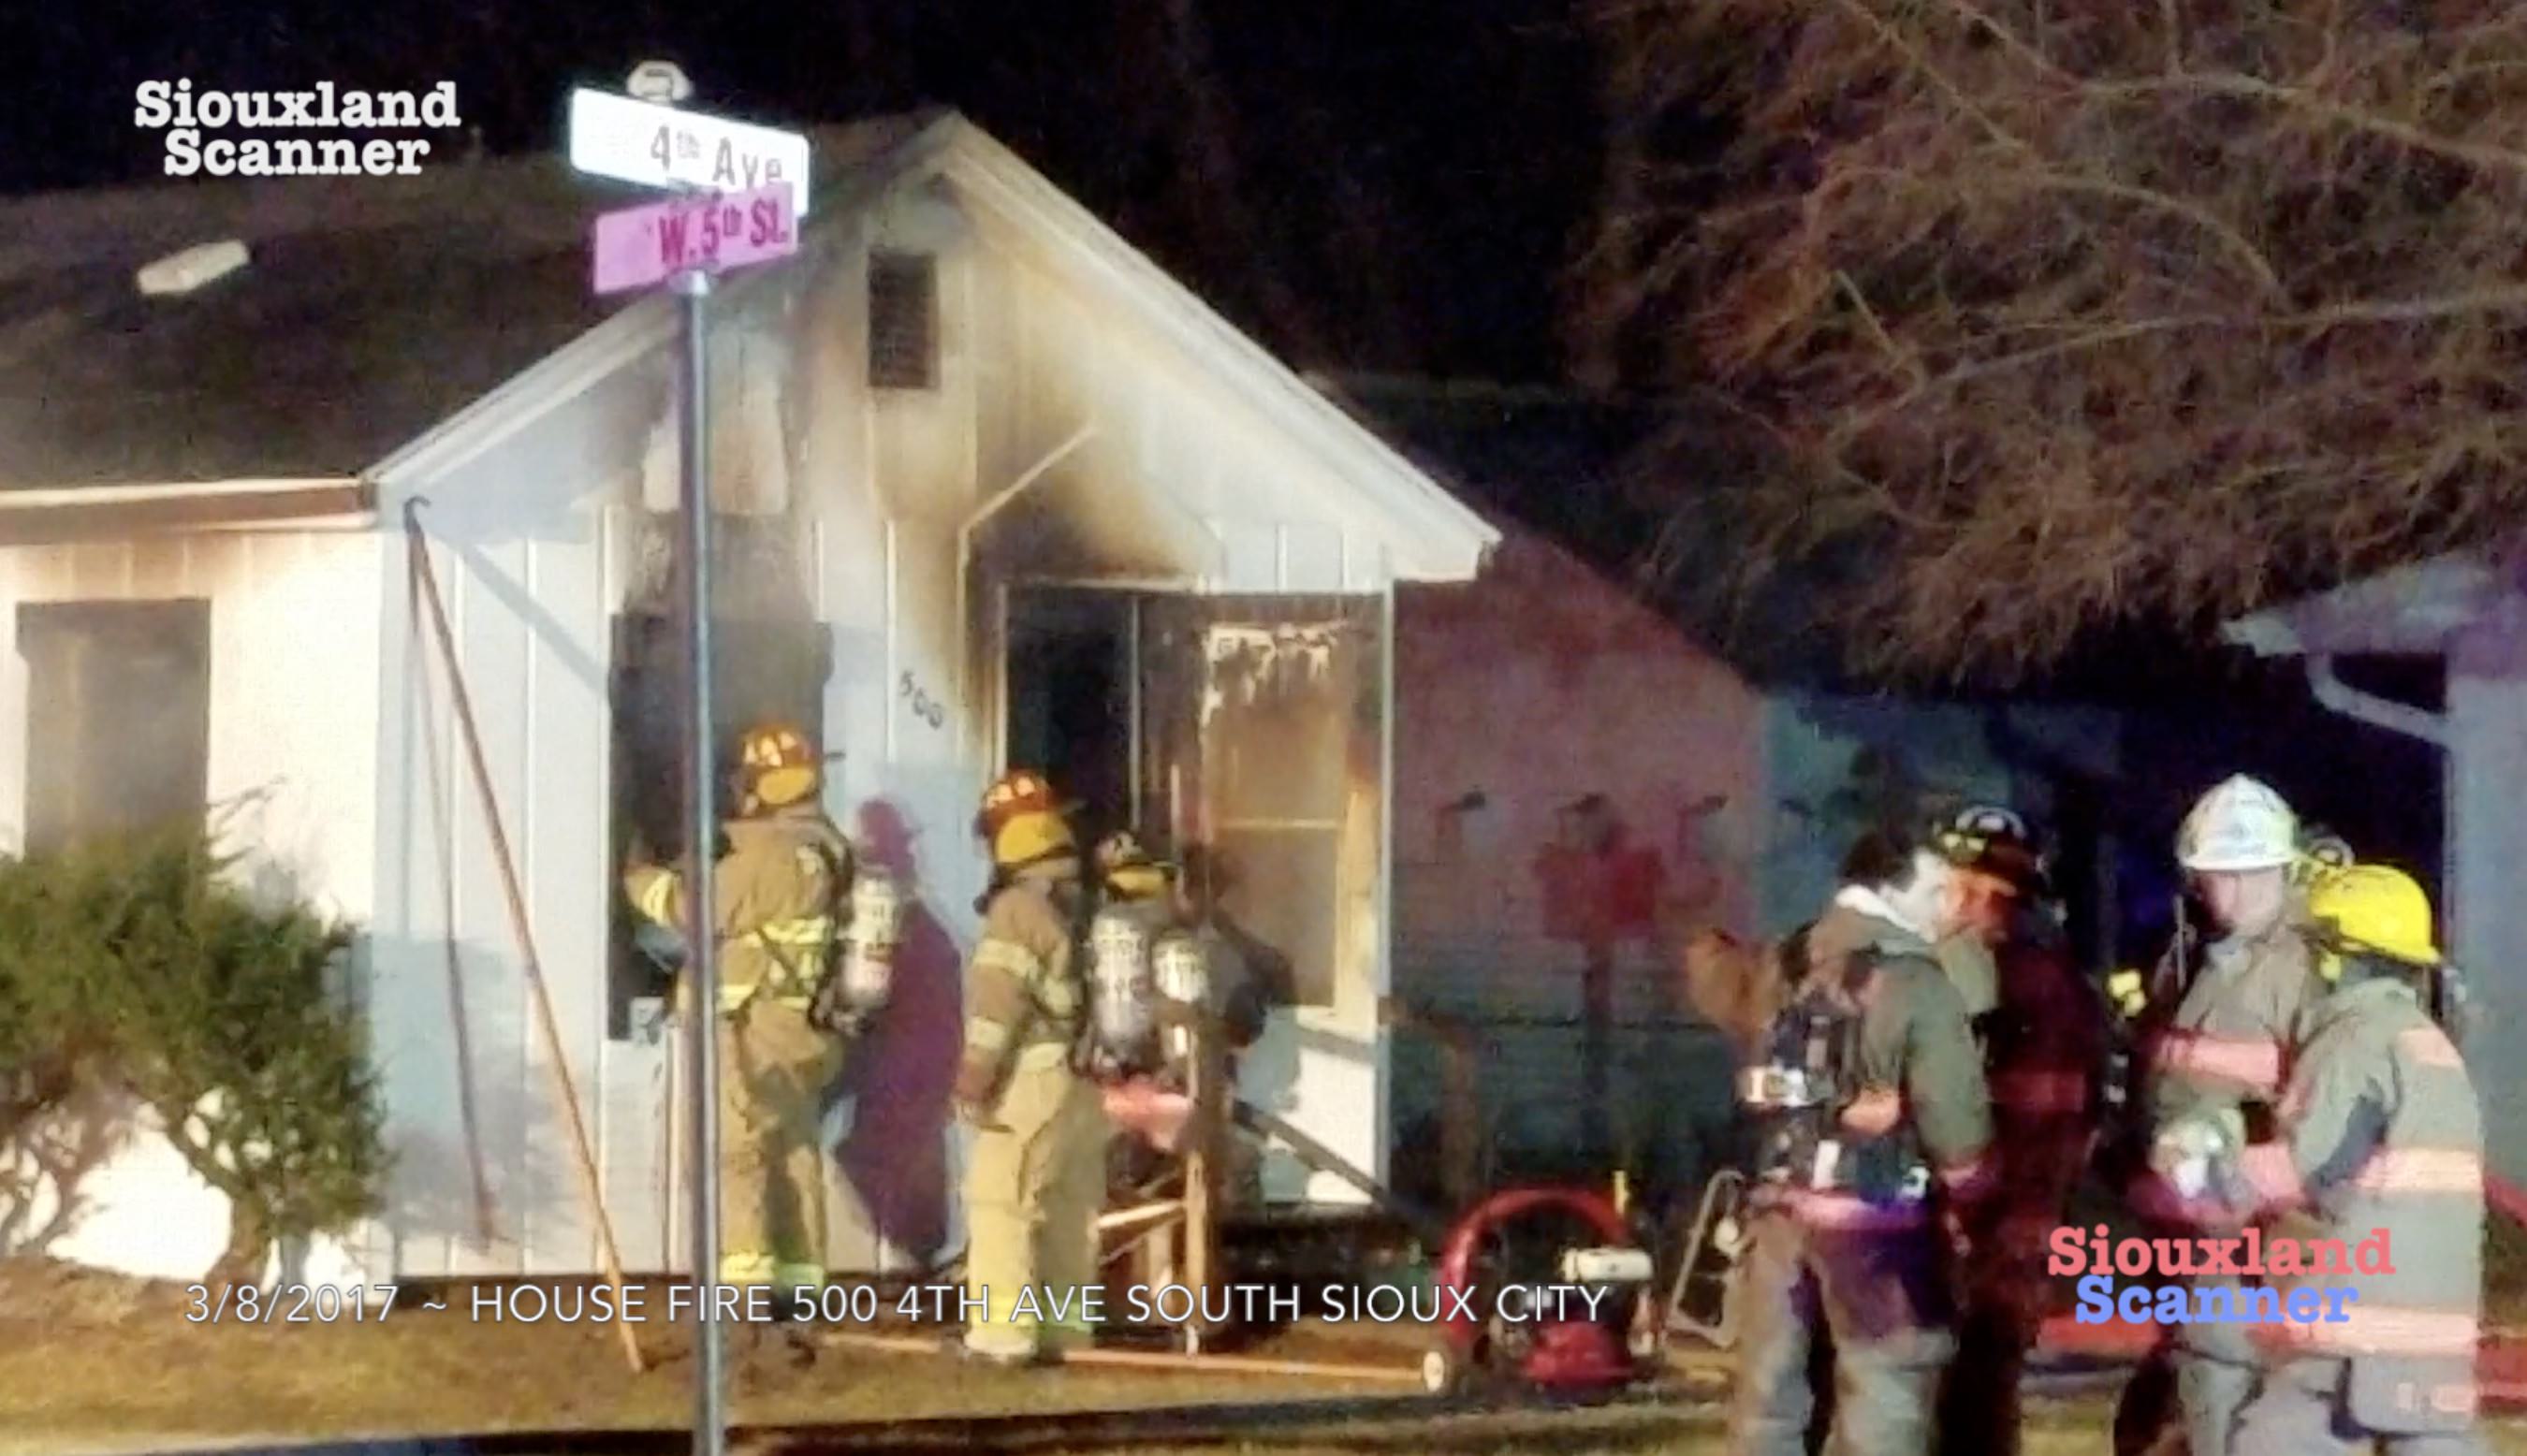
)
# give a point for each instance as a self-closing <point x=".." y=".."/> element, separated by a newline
<point x="1073" y="700"/>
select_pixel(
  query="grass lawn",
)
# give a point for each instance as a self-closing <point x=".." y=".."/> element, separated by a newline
<point x="91" y="1362"/>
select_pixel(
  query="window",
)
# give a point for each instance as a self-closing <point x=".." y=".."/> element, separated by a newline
<point x="902" y="320"/>
<point x="758" y="669"/>
<point x="118" y="717"/>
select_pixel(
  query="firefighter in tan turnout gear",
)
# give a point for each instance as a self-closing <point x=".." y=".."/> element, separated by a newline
<point x="779" y="893"/>
<point x="2218" y="1033"/>
<point x="1873" y="1138"/>
<point x="2380" y="1147"/>
<point x="1035" y="1182"/>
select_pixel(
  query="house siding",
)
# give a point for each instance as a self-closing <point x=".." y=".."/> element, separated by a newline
<point x="1537" y="684"/>
<point x="846" y="509"/>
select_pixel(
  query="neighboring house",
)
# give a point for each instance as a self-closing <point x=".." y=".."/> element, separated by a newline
<point x="1582" y="780"/>
<point x="989" y="489"/>
<point x="2466" y="615"/>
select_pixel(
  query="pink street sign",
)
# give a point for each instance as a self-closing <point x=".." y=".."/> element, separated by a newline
<point x="644" y="245"/>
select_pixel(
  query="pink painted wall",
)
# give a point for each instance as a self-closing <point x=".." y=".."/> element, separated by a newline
<point x="1538" y="683"/>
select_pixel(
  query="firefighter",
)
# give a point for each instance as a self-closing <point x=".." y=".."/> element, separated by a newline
<point x="1874" y="1139"/>
<point x="2044" y="1047"/>
<point x="1035" y="1182"/>
<point x="2380" y="1140"/>
<point x="1135" y="891"/>
<point x="779" y="894"/>
<point x="2216" y="1035"/>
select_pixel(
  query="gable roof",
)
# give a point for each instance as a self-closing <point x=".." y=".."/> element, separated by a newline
<point x="386" y="325"/>
<point x="1427" y="534"/>
<point x="369" y="309"/>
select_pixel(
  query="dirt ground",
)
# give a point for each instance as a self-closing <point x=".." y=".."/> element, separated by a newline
<point x="91" y="1362"/>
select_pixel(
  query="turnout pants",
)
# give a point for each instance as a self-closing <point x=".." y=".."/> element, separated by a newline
<point x="774" y="1069"/>
<point x="2006" y="1295"/>
<point x="1034" y="1186"/>
<point x="2304" y="1408"/>
<point x="1881" y="1295"/>
<point x="2217" y="1369"/>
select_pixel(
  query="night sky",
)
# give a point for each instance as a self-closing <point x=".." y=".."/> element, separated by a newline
<point x="1384" y="185"/>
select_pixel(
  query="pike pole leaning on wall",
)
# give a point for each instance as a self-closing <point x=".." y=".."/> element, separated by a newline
<point x="701" y="952"/>
<point x="566" y="1092"/>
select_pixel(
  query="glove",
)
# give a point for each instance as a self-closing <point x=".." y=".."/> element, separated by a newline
<point x="1952" y="1228"/>
<point x="971" y="1096"/>
<point x="2187" y="1150"/>
<point x="1873" y="1113"/>
<point x="2128" y="990"/>
<point x="2195" y="1159"/>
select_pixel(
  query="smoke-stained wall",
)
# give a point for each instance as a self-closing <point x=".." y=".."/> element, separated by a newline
<point x="855" y="513"/>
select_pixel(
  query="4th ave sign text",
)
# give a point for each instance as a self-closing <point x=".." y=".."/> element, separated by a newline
<point x="666" y="146"/>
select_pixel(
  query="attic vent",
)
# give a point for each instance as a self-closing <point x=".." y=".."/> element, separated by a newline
<point x="184" y="272"/>
<point x="902" y="320"/>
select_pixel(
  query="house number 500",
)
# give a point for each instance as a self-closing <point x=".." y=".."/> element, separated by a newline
<point x="924" y="707"/>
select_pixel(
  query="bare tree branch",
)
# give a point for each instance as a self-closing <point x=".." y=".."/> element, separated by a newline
<point x="2253" y="89"/>
<point x="2060" y="316"/>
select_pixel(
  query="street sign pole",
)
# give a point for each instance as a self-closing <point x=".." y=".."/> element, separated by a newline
<point x="711" y="1424"/>
<point x="684" y="241"/>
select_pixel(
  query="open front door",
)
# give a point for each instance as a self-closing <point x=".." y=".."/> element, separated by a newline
<point x="1262" y="726"/>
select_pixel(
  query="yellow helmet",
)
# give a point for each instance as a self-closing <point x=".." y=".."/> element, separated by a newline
<point x="780" y="764"/>
<point x="1128" y="868"/>
<point x="1026" y="838"/>
<point x="2375" y="909"/>
<point x="1022" y="821"/>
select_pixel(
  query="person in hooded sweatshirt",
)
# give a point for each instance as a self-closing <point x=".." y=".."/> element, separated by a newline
<point x="1872" y="1164"/>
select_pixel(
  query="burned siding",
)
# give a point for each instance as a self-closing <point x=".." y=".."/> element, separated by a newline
<point x="861" y="574"/>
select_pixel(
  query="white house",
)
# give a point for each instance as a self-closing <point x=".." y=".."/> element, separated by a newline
<point x="991" y="488"/>
<point x="2468" y="612"/>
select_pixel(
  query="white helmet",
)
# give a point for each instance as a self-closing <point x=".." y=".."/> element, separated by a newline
<point x="2241" y="825"/>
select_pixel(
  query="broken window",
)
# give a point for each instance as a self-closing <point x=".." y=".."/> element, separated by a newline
<point x="902" y="320"/>
<point x="118" y="717"/>
<point x="759" y="671"/>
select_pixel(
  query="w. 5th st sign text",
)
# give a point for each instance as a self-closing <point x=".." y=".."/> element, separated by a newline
<point x="643" y="245"/>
